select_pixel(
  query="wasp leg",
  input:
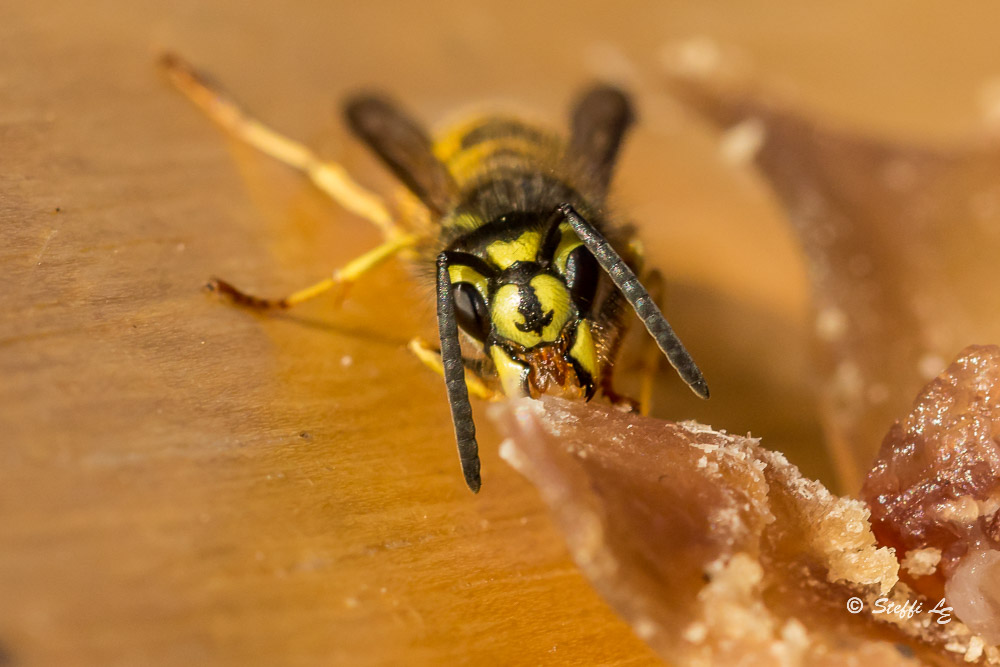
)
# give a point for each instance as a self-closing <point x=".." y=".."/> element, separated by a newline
<point x="649" y="361"/>
<point x="432" y="359"/>
<point x="329" y="177"/>
<point x="340" y="281"/>
<point x="610" y="312"/>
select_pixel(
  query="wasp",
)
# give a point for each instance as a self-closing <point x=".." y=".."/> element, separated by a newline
<point x="529" y="267"/>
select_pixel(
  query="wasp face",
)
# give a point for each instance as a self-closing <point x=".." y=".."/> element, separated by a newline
<point x="527" y="299"/>
<point x="530" y="306"/>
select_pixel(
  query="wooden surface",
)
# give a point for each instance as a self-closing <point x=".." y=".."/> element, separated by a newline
<point x="186" y="483"/>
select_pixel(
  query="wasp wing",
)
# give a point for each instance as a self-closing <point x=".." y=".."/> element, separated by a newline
<point x="404" y="147"/>
<point x="600" y="120"/>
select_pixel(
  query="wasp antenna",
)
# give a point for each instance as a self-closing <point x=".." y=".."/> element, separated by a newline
<point x="454" y="378"/>
<point x="640" y="300"/>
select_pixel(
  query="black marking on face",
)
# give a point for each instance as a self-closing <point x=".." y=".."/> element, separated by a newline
<point x="531" y="310"/>
<point x="519" y="273"/>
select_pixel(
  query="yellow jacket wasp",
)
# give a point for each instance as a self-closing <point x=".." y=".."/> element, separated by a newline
<point x="526" y="262"/>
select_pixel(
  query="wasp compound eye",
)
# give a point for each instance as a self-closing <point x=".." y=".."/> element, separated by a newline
<point x="470" y="311"/>
<point x="581" y="276"/>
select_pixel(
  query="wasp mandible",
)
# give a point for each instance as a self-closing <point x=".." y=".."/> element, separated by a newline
<point x="528" y="265"/>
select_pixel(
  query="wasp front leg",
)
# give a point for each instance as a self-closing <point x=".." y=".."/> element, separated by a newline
<point x="339" y="282"/>
<point x="432" y="359"/>
<point x="615" y="327"/>
<point x="649" y="360"/>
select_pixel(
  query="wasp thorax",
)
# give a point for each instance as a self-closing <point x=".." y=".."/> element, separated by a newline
<point x="530" y="307"/>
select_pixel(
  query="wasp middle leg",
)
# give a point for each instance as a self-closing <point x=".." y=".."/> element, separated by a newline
<point x="339" y="282"/>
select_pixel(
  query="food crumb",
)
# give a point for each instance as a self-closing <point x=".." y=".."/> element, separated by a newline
<point x="921" y="562"/>
<point x="976" y="645"/>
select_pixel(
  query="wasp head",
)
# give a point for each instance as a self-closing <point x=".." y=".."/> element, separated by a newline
<point x="525" y="294"/>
